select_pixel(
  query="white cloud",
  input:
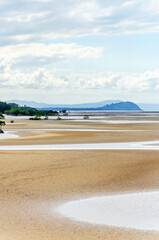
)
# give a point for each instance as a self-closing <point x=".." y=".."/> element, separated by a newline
<point x="38" y="50"/>
<point x="152" y="7"/>
<point x="23" y="18"/>
<point x="37" y="80"/>
<point x="30" y="27"/>
<point x="147" y="81"/>
<point x="41" y="54"/>
<point x="43" y="79"/>
<point x="43" y="19"/>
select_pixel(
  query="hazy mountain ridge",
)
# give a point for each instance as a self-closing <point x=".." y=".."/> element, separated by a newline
<point x="34" y="104"/>
<point x="121" y="106"/>
<point x="104" y="105"/>
<point x="80" y="105"/>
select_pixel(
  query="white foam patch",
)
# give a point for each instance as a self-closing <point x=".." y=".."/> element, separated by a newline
<point x="8" y="135"/>
<point x="79" y="130"/>
<point x="138" y="210"/>
<point x="118" y="121"/>
<point x="149" y="145"/>
<point x="90" y="130"/>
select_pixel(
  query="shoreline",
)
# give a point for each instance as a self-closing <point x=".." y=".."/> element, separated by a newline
<point x="34" y="182"/>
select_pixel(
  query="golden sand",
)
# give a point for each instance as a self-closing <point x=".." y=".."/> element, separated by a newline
<point x="34" y="183"/>
<point x="150" y="132"/>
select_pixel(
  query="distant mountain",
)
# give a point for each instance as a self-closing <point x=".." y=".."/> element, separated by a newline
<point x="45" y="105"/>
<point x="103" y="105"/>
<point x="121" y="106"/>
<point x="149" y="106"/>
<point x="29" y="103"/>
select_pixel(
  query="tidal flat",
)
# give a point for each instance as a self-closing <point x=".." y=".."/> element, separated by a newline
<point x="34" y="184"/>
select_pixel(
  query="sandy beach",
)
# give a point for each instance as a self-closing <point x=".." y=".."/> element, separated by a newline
<point x="35" y="183"/>
<point x="79" y="120"/>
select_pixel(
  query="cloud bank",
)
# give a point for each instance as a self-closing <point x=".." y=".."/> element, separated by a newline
<point x="37" y="34"/>
<point x="32" y="20"/>
<point x="42" y="79"/>
<point x="39" y="54"/>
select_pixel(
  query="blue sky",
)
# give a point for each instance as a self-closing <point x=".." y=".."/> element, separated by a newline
<point x="79" y="51"/>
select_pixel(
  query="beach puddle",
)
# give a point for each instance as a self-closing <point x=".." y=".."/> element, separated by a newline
<point x="137" y="210"/>
<point x="8" y="135"/>
<point x="147" y="145"/>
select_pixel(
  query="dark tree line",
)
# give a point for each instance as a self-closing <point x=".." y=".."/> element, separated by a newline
<point x="15" y="110"/>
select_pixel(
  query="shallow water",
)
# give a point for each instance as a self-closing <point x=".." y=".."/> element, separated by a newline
<point x="8" y="135"/>
<point x="79" y="130"/>
<point x="118" y="121"/>
<point x="147" y="145"/>
<point x="137" y="210"/>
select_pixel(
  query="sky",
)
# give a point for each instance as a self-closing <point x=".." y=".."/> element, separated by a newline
<point x="74" y="51"/>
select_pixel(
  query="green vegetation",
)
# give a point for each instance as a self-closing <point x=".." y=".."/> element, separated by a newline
<point x="21" y="112"/>
<point x="2" y="123"/>
<point x="64" y="112"/>
<point x="13" y="105"/>
<point x="59" y="118"/>
<point x="86" y="117"/>
<point x="1" y="116"/>
<point x="12" y="121"/>
<point x="4" y="106"/>
<point x="28" y="111"/>
<point x="15" y="110"/>
<point x="35" y="118"/>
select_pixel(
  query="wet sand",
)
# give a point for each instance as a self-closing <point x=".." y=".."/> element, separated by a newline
<point x="34" y="183"/>
<point x="28" y="136"/>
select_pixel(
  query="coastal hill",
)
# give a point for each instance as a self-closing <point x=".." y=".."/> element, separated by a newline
<point x="63" y="106"/>
<point x="121" y="106"/>
<point x="103" y="105"/>
<point x="116" y="105"/>
<point x="33" y="104"/>
<point x="17" y="110"/>
<point x="10" y="108"/>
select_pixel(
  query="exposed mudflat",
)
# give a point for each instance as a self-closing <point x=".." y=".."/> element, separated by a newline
<point x="35" y="183"/>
